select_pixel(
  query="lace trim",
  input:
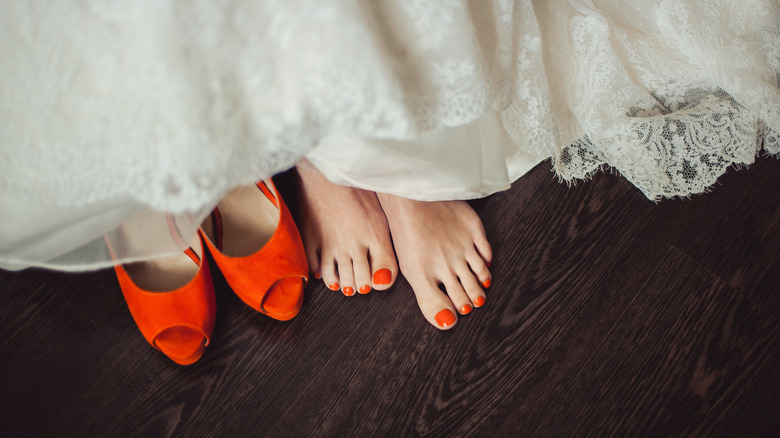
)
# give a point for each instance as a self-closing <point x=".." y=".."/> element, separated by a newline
<point x="104" y="101"/>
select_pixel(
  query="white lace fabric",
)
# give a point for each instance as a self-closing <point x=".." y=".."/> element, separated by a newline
<point x="163" y="106"/>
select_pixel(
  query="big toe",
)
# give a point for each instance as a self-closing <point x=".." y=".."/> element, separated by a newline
<point x="435" y="305"/>
<point x="384" y="268"/>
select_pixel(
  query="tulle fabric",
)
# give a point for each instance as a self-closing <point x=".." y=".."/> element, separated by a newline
<point x="117" y="118"/>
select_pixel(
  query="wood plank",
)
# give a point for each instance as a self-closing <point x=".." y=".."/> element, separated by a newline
<point x="684" y="359"/>
<point x="47" y="350"/>
<point x="605" y="315"/>
<point x="740" y="239"/>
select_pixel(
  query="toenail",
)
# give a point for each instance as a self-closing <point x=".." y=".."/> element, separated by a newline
<point x="364" y="289"/>
<point x="479" y="301"/>
<point x="465" y="309"/>
<point x="445" y="318"/>
<point x="486" y="283"/>
<point x="334" y="286"/>
<point x="317" y="275"/>
<point x="348" y="291"/>
<point x="488" y="264"/>
<point x="383" y="276"/>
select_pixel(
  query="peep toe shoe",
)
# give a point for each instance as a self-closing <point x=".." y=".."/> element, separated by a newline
<point x="257" y="247"/>
<point x="173" y="303"/>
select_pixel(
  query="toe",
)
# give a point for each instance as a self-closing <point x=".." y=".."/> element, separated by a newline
<point x="383" y="277"/>
<point x="383" y="264"/>
<point x="384" y="269"/>
<point x="457" y="293"/>
<point x="362" y="272"/>
<point x="473" y="291"/>
<point x="480" y="269"/>
<point x="434" y="304"/>
<point x="346" y="275"/>
<point x="483" y="248"/>
<point x="329" y="274"/>
<point x="445" y="319"/>
<point x="313" y="259"/>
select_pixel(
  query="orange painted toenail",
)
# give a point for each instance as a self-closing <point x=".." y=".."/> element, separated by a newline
<point x="334" y="286"/>
<point x="317" y="275"/>
<point x="486" y="283"/>
<point x="383" y="276"/>
<point x="348" y="291"/>
<point x="364" y="289"/>
<point x="479" y="301"/>
<point x="445" y="318"/>
<point x="465" y="310"/>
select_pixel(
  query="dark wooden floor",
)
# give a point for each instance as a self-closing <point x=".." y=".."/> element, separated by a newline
<point x="608" y="315"/>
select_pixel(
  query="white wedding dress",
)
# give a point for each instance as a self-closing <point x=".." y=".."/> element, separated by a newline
<point x="116" y="115"/>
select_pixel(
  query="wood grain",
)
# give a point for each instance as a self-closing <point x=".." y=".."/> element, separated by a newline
<point x="608" y="315"/>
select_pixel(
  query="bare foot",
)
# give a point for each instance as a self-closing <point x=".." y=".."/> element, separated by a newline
<point x="440" y="244"/>
<point x="345" y="234"/>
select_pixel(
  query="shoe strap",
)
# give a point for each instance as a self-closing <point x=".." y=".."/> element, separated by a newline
<point x="216" y="215"/>
<point x="268" y="193"/>
<point x="175" y="235"/>
<point x="173" y="228"/>
<point x="216" y="226"/>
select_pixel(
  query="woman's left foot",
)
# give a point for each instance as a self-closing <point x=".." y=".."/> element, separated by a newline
<point x="440" y="245"/>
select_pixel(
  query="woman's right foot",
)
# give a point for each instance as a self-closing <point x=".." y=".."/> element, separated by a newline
<point x="345" y="234"/>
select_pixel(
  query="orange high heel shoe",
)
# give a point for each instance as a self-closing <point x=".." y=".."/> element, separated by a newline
<point x="255" y="243"/>
<point x="172" y="301"/>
